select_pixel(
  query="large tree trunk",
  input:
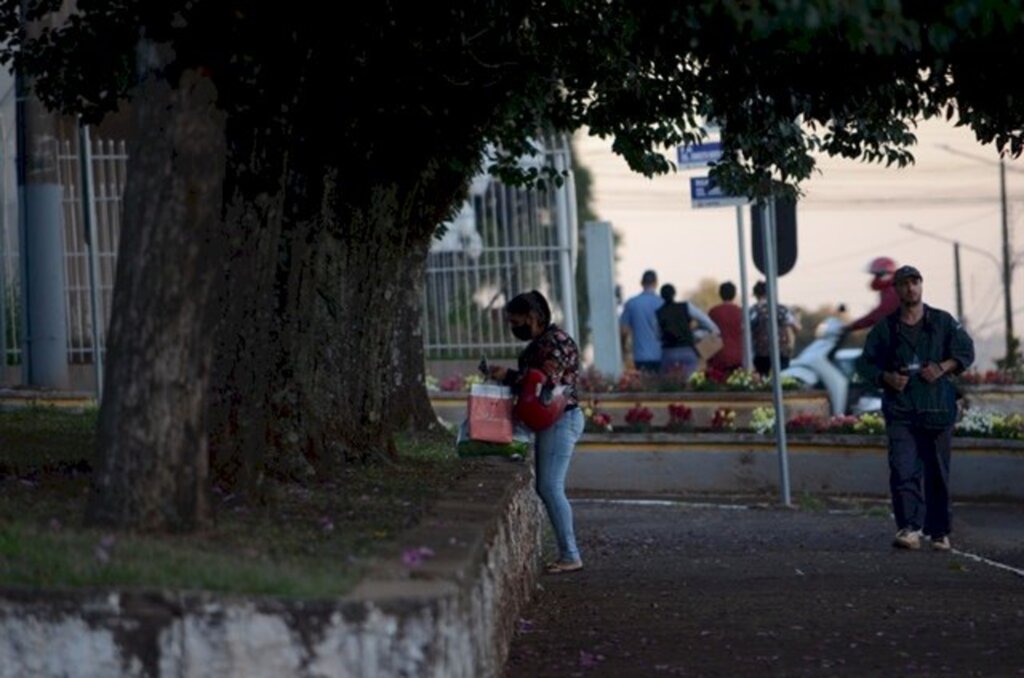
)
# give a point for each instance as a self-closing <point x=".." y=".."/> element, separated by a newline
<point x="152" y="466"/>
<point x="246" y="393"/>
<point x="308" y="356"/>
<point x="410" y="403"/>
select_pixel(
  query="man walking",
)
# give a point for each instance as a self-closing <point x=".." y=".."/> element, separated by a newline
<point x="639" y="321"/>
<point x="911" y="353"/>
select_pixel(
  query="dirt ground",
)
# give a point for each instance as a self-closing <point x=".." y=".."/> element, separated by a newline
<point x="697" y="589"/>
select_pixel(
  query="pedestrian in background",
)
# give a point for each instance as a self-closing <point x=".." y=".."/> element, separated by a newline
<point x="729" y="318"/>
<point x="911" y="354"/>
<point x="760" y="317"/>
<point x="882" y="270"/>
<point x="675" y="322"/>
<point x="639" y="324"/>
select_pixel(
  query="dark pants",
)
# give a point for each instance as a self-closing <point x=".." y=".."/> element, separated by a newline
<point x="919" y="478"/>
<point x="763" y="364"/>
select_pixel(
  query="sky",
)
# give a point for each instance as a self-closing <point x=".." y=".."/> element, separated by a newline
<point x="851" y="212"/>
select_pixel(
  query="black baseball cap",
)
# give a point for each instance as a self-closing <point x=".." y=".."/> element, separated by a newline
<point x="904" y="272"/>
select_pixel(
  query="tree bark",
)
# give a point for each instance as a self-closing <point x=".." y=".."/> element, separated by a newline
<point x="152" y="463"/>
<point x="410" y="402"/>
<point x="247" y="335"/>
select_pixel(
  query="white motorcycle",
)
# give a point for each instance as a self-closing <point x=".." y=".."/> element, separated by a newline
<point x="823" y="365"/>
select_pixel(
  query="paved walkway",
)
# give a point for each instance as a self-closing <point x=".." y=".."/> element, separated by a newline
<point x="736" y="589"/>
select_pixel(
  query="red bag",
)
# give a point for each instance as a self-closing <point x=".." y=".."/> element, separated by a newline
<point x="490" y="413"/>
<point x="540" y="404"/>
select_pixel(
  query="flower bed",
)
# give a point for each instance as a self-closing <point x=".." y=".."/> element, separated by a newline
<point x="642" y="402"/>
<point x="974" y="423"/>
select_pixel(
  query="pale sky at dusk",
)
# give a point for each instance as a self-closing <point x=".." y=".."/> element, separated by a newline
<point x="851" y="213"/>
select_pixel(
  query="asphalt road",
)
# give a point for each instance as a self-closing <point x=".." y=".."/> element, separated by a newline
<point x="737" y="588"/>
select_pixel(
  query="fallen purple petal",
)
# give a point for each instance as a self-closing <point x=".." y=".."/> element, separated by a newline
<point x="415" y="556"/>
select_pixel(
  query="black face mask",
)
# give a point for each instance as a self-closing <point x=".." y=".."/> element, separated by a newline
<point x="522" y="332"/>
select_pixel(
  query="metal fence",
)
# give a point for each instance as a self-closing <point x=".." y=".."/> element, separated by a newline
<point x="109" y="160"/>
<point x="506" y="240"/>
<point x="108" y="173"/>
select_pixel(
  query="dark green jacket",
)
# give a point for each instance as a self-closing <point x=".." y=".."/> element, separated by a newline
<point x="887" y="349"/>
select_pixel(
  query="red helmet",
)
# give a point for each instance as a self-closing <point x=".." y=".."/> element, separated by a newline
<point x="882" y="268"/>
<point x="540" y="404"/>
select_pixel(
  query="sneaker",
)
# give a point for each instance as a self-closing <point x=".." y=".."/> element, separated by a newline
<point x="907" y="539"/>
<point x="941" y="544"/>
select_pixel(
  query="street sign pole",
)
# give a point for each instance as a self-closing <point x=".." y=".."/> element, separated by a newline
<point x="748" y="361"/>
<point x="771" y="269"/>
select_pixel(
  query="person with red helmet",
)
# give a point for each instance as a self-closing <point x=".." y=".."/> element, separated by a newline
<point x="549" y="363"/>
<point x="882" y="270"/>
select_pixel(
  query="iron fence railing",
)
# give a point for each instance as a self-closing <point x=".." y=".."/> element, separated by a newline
<point x="506" y="240"/>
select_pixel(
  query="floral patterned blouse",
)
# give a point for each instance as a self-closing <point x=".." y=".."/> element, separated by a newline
<point x="555" y="353"/>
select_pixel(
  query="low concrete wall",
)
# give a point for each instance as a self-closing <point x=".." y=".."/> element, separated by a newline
<point x="747" y="462"/>
<point x="451" y="616"/>
<point x="1008" y="399"/>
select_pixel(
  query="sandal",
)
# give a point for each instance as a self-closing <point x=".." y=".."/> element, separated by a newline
<point x="563" y="568"/>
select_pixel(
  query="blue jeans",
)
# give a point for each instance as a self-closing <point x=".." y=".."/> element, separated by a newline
<point x="681" y="359"/>
<point x="919" y="478"/>
<point x="554" y="447"/>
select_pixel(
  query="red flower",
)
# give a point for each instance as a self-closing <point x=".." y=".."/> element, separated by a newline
<point x="807" y="423"/>
<point x="638" y="414"/>
<point x="716" y="374"/>
<point x="723" y="419"/>
<point x="679" y="413"/>
<point x="451" y="383"/>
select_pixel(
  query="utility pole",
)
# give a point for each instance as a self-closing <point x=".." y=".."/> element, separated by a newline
<point x="959" y="287"/>
<point x="1007" y="263"/>
<point x="1011" y="342"/>
<point x="956" y="260"/>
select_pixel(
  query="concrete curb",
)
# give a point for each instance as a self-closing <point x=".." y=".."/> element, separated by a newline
<point x="452" y="615"/>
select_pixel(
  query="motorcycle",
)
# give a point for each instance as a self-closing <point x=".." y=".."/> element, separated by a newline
<point x="826" y="365"/>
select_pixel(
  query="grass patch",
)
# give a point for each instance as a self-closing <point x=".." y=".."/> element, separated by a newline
<point x="315" y="541"/>
<point x="810" y="502"/>
<point x="46" y="439"/>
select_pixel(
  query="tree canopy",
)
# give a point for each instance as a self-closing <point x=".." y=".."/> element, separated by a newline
<point x="345" y="134"/>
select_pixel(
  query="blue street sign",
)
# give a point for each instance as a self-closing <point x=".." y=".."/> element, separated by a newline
<point x="703" y="193"/>
<point x="699" y="155"/>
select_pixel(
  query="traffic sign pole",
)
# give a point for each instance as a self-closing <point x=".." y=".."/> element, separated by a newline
<point x="771" y="265"/>
<point x="748" y="361"/>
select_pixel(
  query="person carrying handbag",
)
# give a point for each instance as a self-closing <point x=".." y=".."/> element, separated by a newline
<point x="554" y="353"/>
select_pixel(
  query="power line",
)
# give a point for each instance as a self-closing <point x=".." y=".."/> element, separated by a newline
<point x="891" y="243"/>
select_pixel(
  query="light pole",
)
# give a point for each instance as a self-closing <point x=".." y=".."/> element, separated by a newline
<point x="956" y="264"/>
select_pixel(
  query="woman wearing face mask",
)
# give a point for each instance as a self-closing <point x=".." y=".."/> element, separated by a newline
<point x="554" y="353"/>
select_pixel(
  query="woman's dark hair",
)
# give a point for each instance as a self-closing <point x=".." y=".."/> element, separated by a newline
<point x="760" y="289"/>
<point x="522" y="304"/>
<point x="668" y="293"/>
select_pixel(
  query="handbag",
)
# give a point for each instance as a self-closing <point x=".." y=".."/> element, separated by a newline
<point x="540" y="403"/>
<point x="709" y="345"/>
<point x="490" y="413"/>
